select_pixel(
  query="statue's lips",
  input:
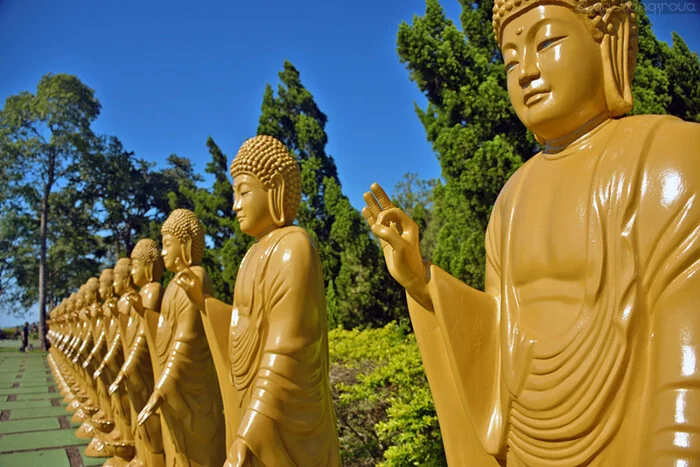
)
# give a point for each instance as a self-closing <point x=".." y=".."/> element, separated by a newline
<point x="534" y="96"/>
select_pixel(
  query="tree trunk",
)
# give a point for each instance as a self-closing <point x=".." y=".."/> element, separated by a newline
<point x="42" y="254"/>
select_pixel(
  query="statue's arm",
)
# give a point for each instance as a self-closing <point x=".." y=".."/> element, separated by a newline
<point x="96" y="348"/>
<point x="179" y="348"/>
<point x="460" y="344"/>
<point x="137" y="351"/>
<point x="112" y="352"/>
<point x="82" y="348"/>
<point x="670" y="246"/>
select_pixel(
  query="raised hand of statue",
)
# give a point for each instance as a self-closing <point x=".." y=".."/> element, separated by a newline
<point x="115" y="384"/>
<point x="399" y="236"/>
<point x="134" y="301"/>
<point x="190" y="283"/>
<point x="153" y="403"/>
<point x="238" y="454"/>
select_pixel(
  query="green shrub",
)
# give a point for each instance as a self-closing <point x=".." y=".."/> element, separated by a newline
<point x="383" y="403"/>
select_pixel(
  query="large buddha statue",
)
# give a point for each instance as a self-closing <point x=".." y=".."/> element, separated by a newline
<point x="278" y="340"/>
<point x="584" y="347"/>
<point x="187" y="390"/>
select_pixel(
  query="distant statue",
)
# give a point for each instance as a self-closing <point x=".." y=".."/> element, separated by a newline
<point x="187" y="391"/>
<point x="584" y="348"/>
<point x="146" y="270"/>
<point x="278" y="341"/>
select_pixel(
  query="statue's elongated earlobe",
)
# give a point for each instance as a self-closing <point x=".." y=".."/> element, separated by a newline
<point x="614" y="48"/>
<point x="187" y="251"/>
<point x="276" y="200"/>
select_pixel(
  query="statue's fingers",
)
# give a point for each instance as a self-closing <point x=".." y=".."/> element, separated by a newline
<point x="372" y="204"/>
<point x="367" y="214"/>
<point x="388" y="235"/>
<point x="382" y="197"/>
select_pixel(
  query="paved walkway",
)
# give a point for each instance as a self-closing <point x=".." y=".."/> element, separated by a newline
<point x="35" y="428"/>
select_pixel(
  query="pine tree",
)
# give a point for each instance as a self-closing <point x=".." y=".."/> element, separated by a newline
<point x="470" y="122"/>
<point x="359" y="290"/>
<point x="226" y="244"/>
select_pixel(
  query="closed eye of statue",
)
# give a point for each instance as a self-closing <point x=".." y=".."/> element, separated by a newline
<point x="546" y="44"/>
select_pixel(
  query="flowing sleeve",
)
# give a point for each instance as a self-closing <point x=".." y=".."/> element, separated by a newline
<point x="669" y="245"/>
<point x="459" y="341"/>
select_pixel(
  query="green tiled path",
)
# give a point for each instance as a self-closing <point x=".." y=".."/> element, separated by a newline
<point x="32" y="413"/>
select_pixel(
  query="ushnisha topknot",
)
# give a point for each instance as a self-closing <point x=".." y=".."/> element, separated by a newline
<point x="148" y="252"/>
<point x="107" y="276"/>
<point x="593" y="11"/>
<point x="263" y="156"/>
<point x="183" y="223"/>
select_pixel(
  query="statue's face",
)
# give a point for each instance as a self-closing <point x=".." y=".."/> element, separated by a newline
<point x="138" y="273"/>
<point x="251" y="205"/>
<point x="555" y="71"/>
<point x="172" y="250"/>
<point x="119" y="283"/>
<point x="106" y="289"/>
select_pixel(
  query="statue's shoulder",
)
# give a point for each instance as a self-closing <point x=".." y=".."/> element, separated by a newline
<point x="152" y="295"/>
<point x="671" y="145"/>
<point x="291" y="242"/>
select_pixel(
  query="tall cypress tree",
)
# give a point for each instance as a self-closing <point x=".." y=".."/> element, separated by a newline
<point x="470" y="122"/>
<point x="359" y="290"/>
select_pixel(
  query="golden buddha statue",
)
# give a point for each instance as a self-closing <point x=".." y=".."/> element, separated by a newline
<point x="583" y="349"/>
<point x="145" y="269"/>
<point x="278" y="341"/>
<point x="186" y="391"/>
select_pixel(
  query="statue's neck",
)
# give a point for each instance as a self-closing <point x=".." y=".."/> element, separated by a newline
<point x="581" y="134"/>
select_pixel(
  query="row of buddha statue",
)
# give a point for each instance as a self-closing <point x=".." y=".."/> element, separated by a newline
<point x="176" y="377"/>
<point x="583" y="349"/>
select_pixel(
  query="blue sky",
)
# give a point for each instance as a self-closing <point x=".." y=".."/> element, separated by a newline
<point x="169" y="74"/>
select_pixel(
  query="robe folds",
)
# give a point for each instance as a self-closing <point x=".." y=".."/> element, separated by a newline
<point x="279" y="354"/>
<point x="619" y="386"/>
<point x="192" y="408"/>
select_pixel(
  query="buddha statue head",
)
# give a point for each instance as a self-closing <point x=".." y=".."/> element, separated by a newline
<point x="107" y="284"/>
<point x="146" y="263"/>
<point x="122" y="276"/>
<point x="569" y="63"/>
<point x="92" y="290"/>
<point x="183" y="240"/>
<point x="266" y="185"/>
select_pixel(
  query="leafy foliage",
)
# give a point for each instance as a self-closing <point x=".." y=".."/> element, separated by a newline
<point x="383" y="404"/>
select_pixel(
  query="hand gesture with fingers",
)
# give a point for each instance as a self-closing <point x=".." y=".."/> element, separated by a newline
<point x="134" y="300"/>
<point x="399" y="237"/>
<point x="190" y="283"/>
<point x="149" y="409"/>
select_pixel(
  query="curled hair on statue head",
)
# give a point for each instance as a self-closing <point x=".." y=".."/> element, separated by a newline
<point x="268" y="160"/>
<point x="184" y="225"/>
<point x="147" y="252"/>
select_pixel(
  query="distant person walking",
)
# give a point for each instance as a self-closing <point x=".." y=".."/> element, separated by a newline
<point x="25" y="337"/>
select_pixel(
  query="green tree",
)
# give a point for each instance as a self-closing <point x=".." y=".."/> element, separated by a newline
<point x="359" y="290"/>
<point x="226" y="244"/>
<point x="417" y="198"/>
<point x="127" y="204"/>
<point x="42" y="137"/>
<point x="470" y="122"/>
<point x="683" y="69"/>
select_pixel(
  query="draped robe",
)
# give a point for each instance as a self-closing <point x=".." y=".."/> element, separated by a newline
<point x="192" y="408"/>
<point x="583" y="349"/>
<point x="279" y="353"/>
